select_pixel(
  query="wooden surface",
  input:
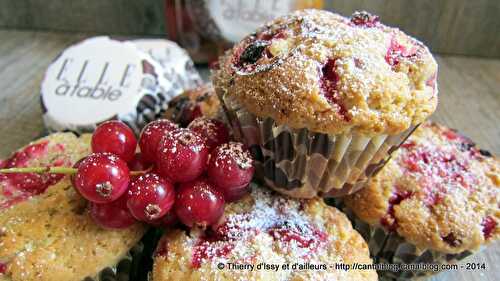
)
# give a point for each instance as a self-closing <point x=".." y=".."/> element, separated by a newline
<point x="447" y="26"/>
<point x="469" y="90"/>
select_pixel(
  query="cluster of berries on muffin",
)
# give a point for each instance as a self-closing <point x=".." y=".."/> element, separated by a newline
<point x="180" y="174"/>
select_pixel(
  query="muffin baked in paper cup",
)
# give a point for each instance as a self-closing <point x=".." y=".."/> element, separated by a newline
<point x="302" y="163"/>
<point x="390" y="248"/>
<point x="128" y="268"/>
<point x="435" y="203"/>
<point x="320" y="110"/>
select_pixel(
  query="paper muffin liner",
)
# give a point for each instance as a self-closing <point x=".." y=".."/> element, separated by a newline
<point x="127" y="269"/>
<point x="302" y="163"/>
<point x="390" y="248"/>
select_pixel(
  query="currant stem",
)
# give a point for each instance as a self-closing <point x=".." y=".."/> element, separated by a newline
<point x="41" y="170"/>
<point x="53" y="170"/>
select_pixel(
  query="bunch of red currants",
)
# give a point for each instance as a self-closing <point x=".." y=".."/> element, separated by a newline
<point x="187" y="173"/>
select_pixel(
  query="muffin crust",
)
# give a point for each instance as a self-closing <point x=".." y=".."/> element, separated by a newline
<point x="51" y="236"/>
<point x="266" y="228"/>
<point x="318" y="70"/>
<point x="439" y="192"/>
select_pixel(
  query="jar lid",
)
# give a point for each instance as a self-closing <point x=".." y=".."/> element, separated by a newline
<point x="100" y="79"/>
<point x="177" y="65"/>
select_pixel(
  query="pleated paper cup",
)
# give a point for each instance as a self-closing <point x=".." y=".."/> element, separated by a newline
<point x="387" y="247"/>
<point x="127" y="269"/>
<point x="301" y="163"/>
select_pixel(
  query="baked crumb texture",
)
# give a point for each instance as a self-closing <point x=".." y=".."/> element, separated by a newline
<point x="437" y="200"/>
<point x="265" y="228"/>
<point x="45" y="230"/>
<point x="323" y="100"/>
<point x="330" y="74"/>
<point x="200" y="101"/>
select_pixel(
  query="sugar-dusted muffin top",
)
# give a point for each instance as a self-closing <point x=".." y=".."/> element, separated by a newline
<point x="318" y="70"/>
<point x="46" y="232"/>
<point x="200" y="101"/>
<point x="439" y="192"/>
<point x="266" y="228"/>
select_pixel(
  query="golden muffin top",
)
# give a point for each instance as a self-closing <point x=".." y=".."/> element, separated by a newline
<point x="318" y="70"/>
<point x="438" y="192"/>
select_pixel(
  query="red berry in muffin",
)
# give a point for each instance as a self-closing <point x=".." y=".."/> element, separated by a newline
<point x="438" y="192"/>
<point x="364" y="19"/>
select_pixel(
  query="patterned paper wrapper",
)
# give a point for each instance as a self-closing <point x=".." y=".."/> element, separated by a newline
<point x="303" y="164"/>
<point x="101" y="79"/>
<point x="390" y="248"/>
<point x="127" y="269"/>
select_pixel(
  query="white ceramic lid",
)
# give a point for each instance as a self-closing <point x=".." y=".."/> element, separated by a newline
<point x="100" y="79"/>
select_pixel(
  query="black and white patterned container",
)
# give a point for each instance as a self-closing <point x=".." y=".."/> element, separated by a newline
<point x="177" y="67"/>
<point x="101" y="79"/>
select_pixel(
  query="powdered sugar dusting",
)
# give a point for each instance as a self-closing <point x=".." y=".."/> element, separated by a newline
<point x="380" y="73"/>
<point x="234" y="152"/>
<point x="203" y="123"/>
<point x="272" y="218"/>
<point x="213" y="130"/>
<point x="186" y="138"/>
<point x="441" y="192"/>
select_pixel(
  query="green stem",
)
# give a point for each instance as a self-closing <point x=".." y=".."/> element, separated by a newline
<point x="137" y="173"/>
<point x="53" y="170"/>
<point x="40" y="170"/>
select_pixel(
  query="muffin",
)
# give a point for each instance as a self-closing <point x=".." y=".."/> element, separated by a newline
<point x="200" y="101"/>
<point x="46" y="232"/>
<point x="265" y="230"/>
<point x="323" y="100"/>
<point x="436" y="201"/>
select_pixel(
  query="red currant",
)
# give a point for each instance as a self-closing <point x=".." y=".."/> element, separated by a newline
<point x="231" y="170"/>
<point x="396" y="53"/>
<point x="112" y="215"/>
<point x="489" y="224"/>
<point x="76" y="165"/>
<point x="151" y="136"/>
<point x="364" y="19"/>
<point x="190" y="114"/>
<point x="150" y="197"/>
<point x="182" y="155"/>
<point x="138" y="163"/>
<point x="329" y="87"/>
<point x="199" y="203"/>
<point x="168" y="220"/>
<point x="102" y="177"/>
<point x="115" y="137"/>
<point x="213" y="130"/>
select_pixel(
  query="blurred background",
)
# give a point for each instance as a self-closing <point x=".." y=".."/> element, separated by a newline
<point x="448" y="26"/>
